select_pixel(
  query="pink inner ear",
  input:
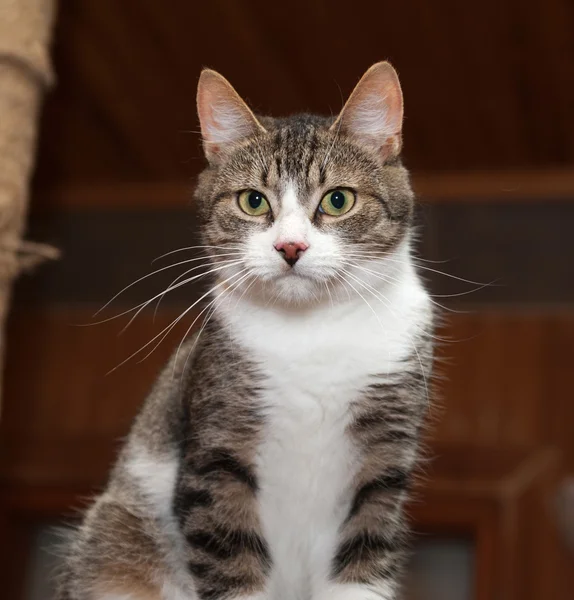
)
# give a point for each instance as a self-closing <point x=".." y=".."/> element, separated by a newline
<point x="374" y="115"/>
<point x="374" y="111"/>
<point x="225" y="119"/>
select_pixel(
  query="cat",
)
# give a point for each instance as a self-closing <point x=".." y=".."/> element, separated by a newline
<point x="273" y="457"/>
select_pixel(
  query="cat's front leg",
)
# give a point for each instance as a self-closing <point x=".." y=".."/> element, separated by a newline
<point x="357" y="591"/>
<point x="371" y="552"/>
<point x="216" y="507"/>
<point x="168" y="592"/>
<point x="370" y="570"/>
<point x="372" y="548"/>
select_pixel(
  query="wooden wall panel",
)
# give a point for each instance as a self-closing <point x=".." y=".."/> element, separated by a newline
<point x="485" y="88"/>
<point x="57" y="373"/>
<point x="506" y="380"/>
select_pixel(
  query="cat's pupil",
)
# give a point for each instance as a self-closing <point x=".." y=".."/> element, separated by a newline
<point x="338" y="200"/>
<point x="255" y="199"/>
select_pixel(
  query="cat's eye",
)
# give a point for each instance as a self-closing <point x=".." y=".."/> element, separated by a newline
<point x="253" y="203"/>
<point x="337" y="202"/>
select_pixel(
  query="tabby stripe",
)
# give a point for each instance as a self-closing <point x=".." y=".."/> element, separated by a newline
<point x="223" y="585"/>
<point x="188" y="499"/>
<point x="288" y="158"/>
<point x="265" y="175"/>
<point x="224" y="462"/>
<point x="199" y="570"/>
<point x="212" y="593"/>
<point x="192" y="497"/>
<point x="387" y="387"/>
<point x="380" y="420"/>
<point x="322" y="177"/>
<point x="395" y="435"/>
<point x="414" y="378"/>
<point x="391" y="570"/>
<point x="311" y="158"/>
<point x="393" y="480"/>
<point x="386" y="207"/>
<point x="361" y="547"/>
<point x="225" y="544"/>
<point x="369" y="421"/>
<point x="213" y="580"/>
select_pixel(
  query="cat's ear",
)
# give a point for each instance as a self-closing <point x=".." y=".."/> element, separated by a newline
<point x="374" y="111"/>
<point x="224" y="117"/>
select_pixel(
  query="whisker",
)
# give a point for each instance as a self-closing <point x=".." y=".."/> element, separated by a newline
<point x="327" y="156"/>
<point x="261" y="158"/>
<point x="386" y="303"/>
<point x="390" y="279"/>
<point x="382" y="253"/>
<point x="167" y="329"/>
<point x="246" y="290"/>
<point x="345" y="287"/>
<point x="476" y="289"/>
<point x="329" y="293"/>
<point x="364" y="300"/>
<point x="385" y="300"/>
<point x="212" y="303"/>
<point x="144" y="304"/>
<point x="187" y="332"/>
<point x="425" y="268"/>
<point x="210" y="314"/>
<point x="171" y="326"/>
<point x="228" y="262"/>
<point x="190" y="352"/>
<point x="195" y="248"/>
<point x="385" y="277"/>
<point x="183" y="262"/>
<point x="180" y="284"/>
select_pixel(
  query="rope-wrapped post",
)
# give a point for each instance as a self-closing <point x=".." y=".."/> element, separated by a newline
<point x="25" y="74"/>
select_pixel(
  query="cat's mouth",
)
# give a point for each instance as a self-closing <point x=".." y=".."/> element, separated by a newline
<point x="294" y="273"/>
<point x="299" y="284"/>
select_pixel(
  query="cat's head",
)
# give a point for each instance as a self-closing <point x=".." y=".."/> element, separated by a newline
<point x="294" y="204"/>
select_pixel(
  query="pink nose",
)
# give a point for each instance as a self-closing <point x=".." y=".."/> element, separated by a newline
<point x="291" y="251"/>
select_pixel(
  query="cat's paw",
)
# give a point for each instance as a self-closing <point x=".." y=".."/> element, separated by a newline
<point x="353" y="591"/>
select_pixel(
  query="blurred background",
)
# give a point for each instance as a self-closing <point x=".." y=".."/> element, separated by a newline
<point x="489" y="137"/>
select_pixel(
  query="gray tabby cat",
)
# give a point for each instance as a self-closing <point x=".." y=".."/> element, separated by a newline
<point x="273" y="457"/>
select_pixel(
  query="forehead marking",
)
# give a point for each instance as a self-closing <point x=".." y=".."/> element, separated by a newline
<point x="292" y="224"/>
<point x="289" y="200"/>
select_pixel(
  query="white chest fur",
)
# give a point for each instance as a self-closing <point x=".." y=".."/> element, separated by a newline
<point x="315" y="364"/>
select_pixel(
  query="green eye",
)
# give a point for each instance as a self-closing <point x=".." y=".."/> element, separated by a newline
<point x="337" y="202"/>
<point x="253" y="203"/>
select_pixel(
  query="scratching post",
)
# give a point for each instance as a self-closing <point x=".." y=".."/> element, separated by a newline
<point x="25" y="73"/>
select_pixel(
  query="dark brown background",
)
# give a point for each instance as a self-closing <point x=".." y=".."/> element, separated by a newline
<point x="487" y="85"/>
<point x="489" y="135"/>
